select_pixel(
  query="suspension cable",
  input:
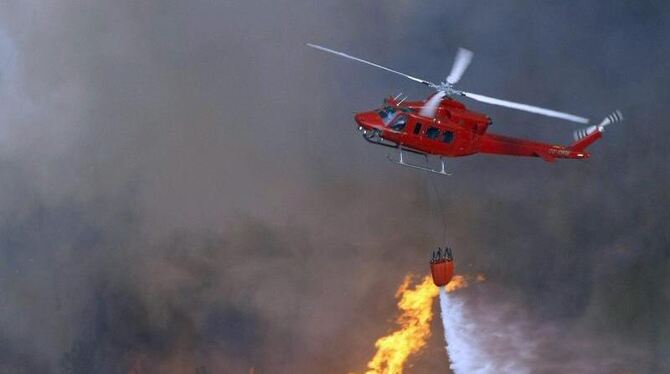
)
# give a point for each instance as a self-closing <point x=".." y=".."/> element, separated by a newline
<point x="441" y="209"/>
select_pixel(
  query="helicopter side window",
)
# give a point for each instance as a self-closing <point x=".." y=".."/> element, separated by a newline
<point x="417" y="128"/>
<point x="400" y="123"/>
<point x="432" y="132"/>
<point x="448" y="136"/>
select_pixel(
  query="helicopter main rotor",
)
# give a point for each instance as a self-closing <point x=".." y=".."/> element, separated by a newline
<point x="446" y="88"/>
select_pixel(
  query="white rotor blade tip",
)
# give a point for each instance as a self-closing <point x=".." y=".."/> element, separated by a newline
<point x="419" y="80"/>
<point x="527" y="108"/>
<point x="461" y="63"/>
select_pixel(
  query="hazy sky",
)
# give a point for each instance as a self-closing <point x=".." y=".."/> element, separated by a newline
<point x="182" y="187"/>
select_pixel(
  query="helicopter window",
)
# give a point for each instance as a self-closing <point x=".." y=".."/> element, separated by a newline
<point x="448" y="136"/>
<point x="400" y="123"/>
<point x="387" y="114"/>
<point x="417" y="128"/>
<point x="432" y="132"/>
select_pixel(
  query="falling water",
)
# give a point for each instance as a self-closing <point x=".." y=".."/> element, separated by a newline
<point x="479" y="343"/>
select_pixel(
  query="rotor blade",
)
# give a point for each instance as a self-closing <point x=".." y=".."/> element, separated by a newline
<point x="432" y="104"/>
<point x="526" y="107"/>
<point x="428" y="83"/>
<point x="461" y="62"/>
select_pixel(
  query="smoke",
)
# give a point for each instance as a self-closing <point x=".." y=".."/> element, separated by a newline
<point x="182" y="187"/>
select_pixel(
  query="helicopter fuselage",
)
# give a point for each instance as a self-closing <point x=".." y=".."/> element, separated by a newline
<point x="454" y="131"/>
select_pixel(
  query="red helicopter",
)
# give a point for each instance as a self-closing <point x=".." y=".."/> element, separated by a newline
<point x="442" y="126"/>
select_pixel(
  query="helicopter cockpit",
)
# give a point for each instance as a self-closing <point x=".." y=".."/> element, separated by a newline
<point x="394" y="118"/>
<point x="387" y="114"/>
<point x="399" y="123"/>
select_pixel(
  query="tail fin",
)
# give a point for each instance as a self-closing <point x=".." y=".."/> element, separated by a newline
<point x="587" y="136"/>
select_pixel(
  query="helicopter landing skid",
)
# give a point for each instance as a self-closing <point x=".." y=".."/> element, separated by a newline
<point x="400" y="161"/>
<point x="375" y="138"/>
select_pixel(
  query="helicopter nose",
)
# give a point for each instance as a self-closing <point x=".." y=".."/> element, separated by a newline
<point x="366" y="121"/>
<point x="360" y="120"/>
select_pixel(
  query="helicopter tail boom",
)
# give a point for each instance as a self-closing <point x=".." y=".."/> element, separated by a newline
<point x="581" y="144"/>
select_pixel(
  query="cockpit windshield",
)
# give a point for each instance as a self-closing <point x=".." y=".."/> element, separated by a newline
<point x="399" y="123"/>
<point x="387" y="114"/>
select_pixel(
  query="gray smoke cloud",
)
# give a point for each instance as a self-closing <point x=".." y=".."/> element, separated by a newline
<point x="182" y="190"/>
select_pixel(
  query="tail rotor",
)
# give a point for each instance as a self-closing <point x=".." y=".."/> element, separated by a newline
<point x="614" y="117"/>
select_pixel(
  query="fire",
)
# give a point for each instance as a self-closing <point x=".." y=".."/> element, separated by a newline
<point x="457" y="282"/>
<point x="416" y="306"/>
<point x="416" y="312"/>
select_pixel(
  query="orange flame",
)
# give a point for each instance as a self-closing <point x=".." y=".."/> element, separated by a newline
<point x="456" y="283"/>
<point x="416" y="313"/>
<point x="416" y="307"/>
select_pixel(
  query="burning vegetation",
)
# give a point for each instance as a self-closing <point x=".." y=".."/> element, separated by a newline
<point x="416" y="313"/>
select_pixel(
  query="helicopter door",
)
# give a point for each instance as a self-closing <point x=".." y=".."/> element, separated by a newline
<point x="416" y="130"/>
<point x="416" y="127"/>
